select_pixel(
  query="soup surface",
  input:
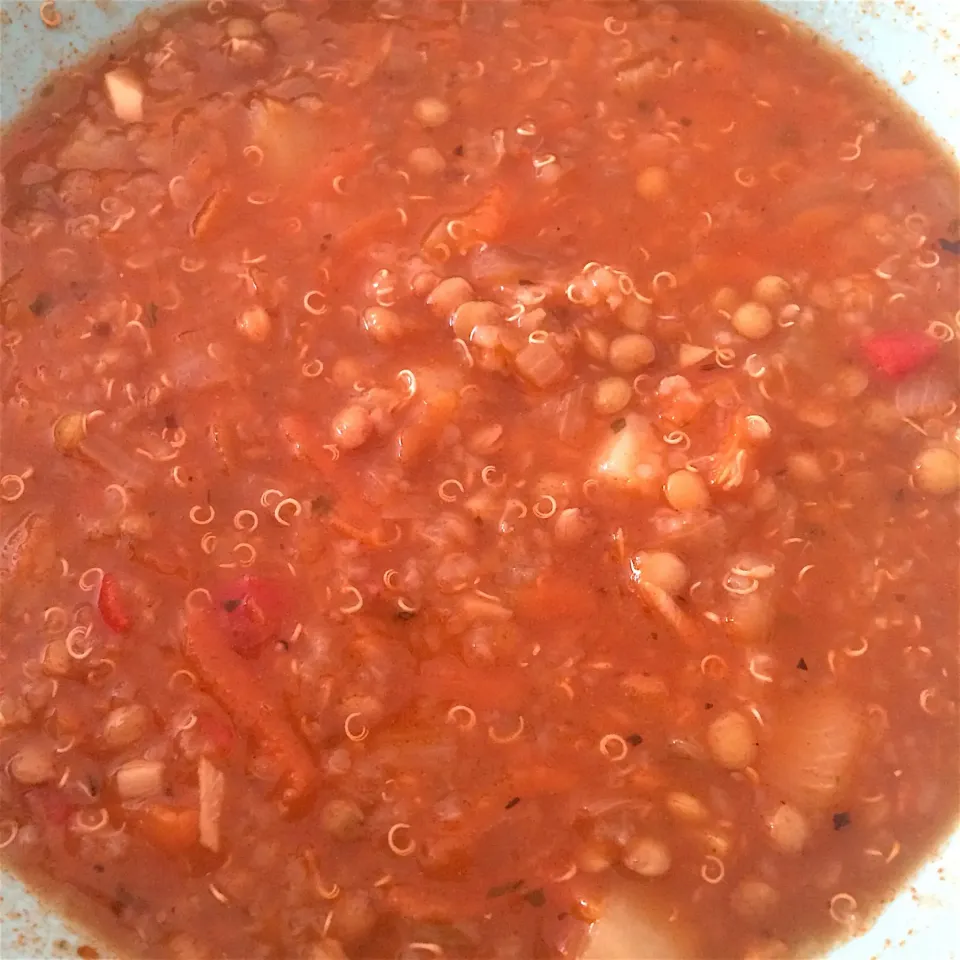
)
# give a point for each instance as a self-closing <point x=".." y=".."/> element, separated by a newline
<point x="475" y="471"/>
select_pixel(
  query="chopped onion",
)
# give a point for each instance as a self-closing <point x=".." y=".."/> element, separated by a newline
<point x="926" y="395"/>
<point x="812" y="748"/>
<point x="126" y="94"/>
<point x="630" y="458"/>
<point x="211" y="783"/>
<point x="541" y="364"/>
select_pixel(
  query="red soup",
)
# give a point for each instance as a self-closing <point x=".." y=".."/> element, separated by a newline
<point x="479" y="480"/>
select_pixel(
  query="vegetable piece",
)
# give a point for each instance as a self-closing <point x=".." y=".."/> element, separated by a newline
<point x="139" y="779"/>
<point x="811" y="751"/>
<point x="171" y="829"/>
<point x="33" y="765"/>
<point x="937" y="472"/>
<point x="112" y="605"/>
<point x="732" y="741"/>
<point x="661" y="568"/>
<point x="541" y="364"/>
<point x="29" y="550"/>
<point x="664" y="609"/>
<point x="250" y="706"/>
<point x="481" y="224"/>
<point x="631" y="459"/>
<point x="72" y="438"/>
<point x="250" y="612"/>
<point x="211" y="783"/>
<point x="635" y="925"/>
<point x="735" y="459"/>
<point x="126" y="94"/>
<point x="899" y="352"/>
<point x="124" y="726"/>
<point x="307" y="442"/>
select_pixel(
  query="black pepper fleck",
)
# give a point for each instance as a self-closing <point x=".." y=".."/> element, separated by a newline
<point x="841" y="820"/>
<point x="802" y="664"/>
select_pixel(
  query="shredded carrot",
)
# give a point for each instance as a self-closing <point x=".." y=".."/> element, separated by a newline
<point x="250" y="707"/>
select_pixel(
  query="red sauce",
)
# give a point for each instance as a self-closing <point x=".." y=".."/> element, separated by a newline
<point x="475" y="471"/>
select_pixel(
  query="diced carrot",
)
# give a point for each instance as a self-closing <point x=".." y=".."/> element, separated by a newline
<point x="250" y="610"/>
<point x="171" y="829"/>
<point x="250" y="706"/>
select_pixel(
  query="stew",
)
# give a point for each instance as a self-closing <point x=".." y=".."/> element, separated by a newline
<point x="479" y="480"/>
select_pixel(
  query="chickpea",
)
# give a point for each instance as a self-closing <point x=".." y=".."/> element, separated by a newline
<point x="342" y="819"/>
<point x="427" y="161"/>
<point x="472" y="314"/>
<point x="352" y="427"/>
<point x="726" y="299"/>
<point x="240" y="28"/>
<point x="635" y="314"/>
<point x="431" y="112"/>
<point x="69" y="432"/>
<point x="595" y="344"/>
<point x="788" y="828"/>
<point x="937" y="472"/>
<point x="753" y="320"/>
<point x="686" y="491"/>
<point x="33" y="765"/>
<point x="664" y="570"/>
<point x="326" y="949"/>
<point x="573" y="525"/>
<point x="631" y="352"/>
<point x="753" y="899"/>
<point x="647" y="857"/>
<point x="653" y="183"/>
<point x="449" y="294"/>
<point x="731" y="741"/>
<point x="852" y="381"/>
<point x="592" y="857"/>
<point x="805" y="468"/>
<point x="254" y="324"/>
<point x="385" y="326"/>
<point x="771" y="290"/>
<point x="611" y="395"/>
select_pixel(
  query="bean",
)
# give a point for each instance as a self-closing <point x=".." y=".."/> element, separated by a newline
<point x="753" y="899"/>
<point x="353" y="917"/>
<point x="635" y="314"/>
<point x="595" y="344"/>
<point x="449" y="294"/>
<point x="653" y="183"/>
<point x="56" y="661"/>
<point x="732" y="741"/>
<point x="593" y="857"/>
<point x="342" y="819"/>
<point x="124" y="726"/>
<point x="647" y="857"/>
<point x="255" y="324"/>
<point x="664" y="570"/>
<point x="937" y="472"/>
<point x="33" y="765"/>
<point x="686" y="491"/>
<point x="431" y="112"/>
<point x="753" y="320"/>
<point x="805" y="468"/>
<point x="686" y="807"/>
<point x="788" y="828"/>
<point x="631" y="352"/>
<point x="611" y="395"/>
<point x="352" y="427"/>
<point x="726" y="299"/>
<point x="771" y="290"/>
<point x="473" y="314"/>
<point x="385" y="326"/>
<point x="427" y="161"/>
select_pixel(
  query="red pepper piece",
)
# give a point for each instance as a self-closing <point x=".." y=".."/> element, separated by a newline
<point x="900" y="352"/>
<point x="112" y="606"/>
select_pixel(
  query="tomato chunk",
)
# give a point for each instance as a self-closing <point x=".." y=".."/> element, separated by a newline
<point x="899" y="352"/>
<point x="250" y="612"/>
